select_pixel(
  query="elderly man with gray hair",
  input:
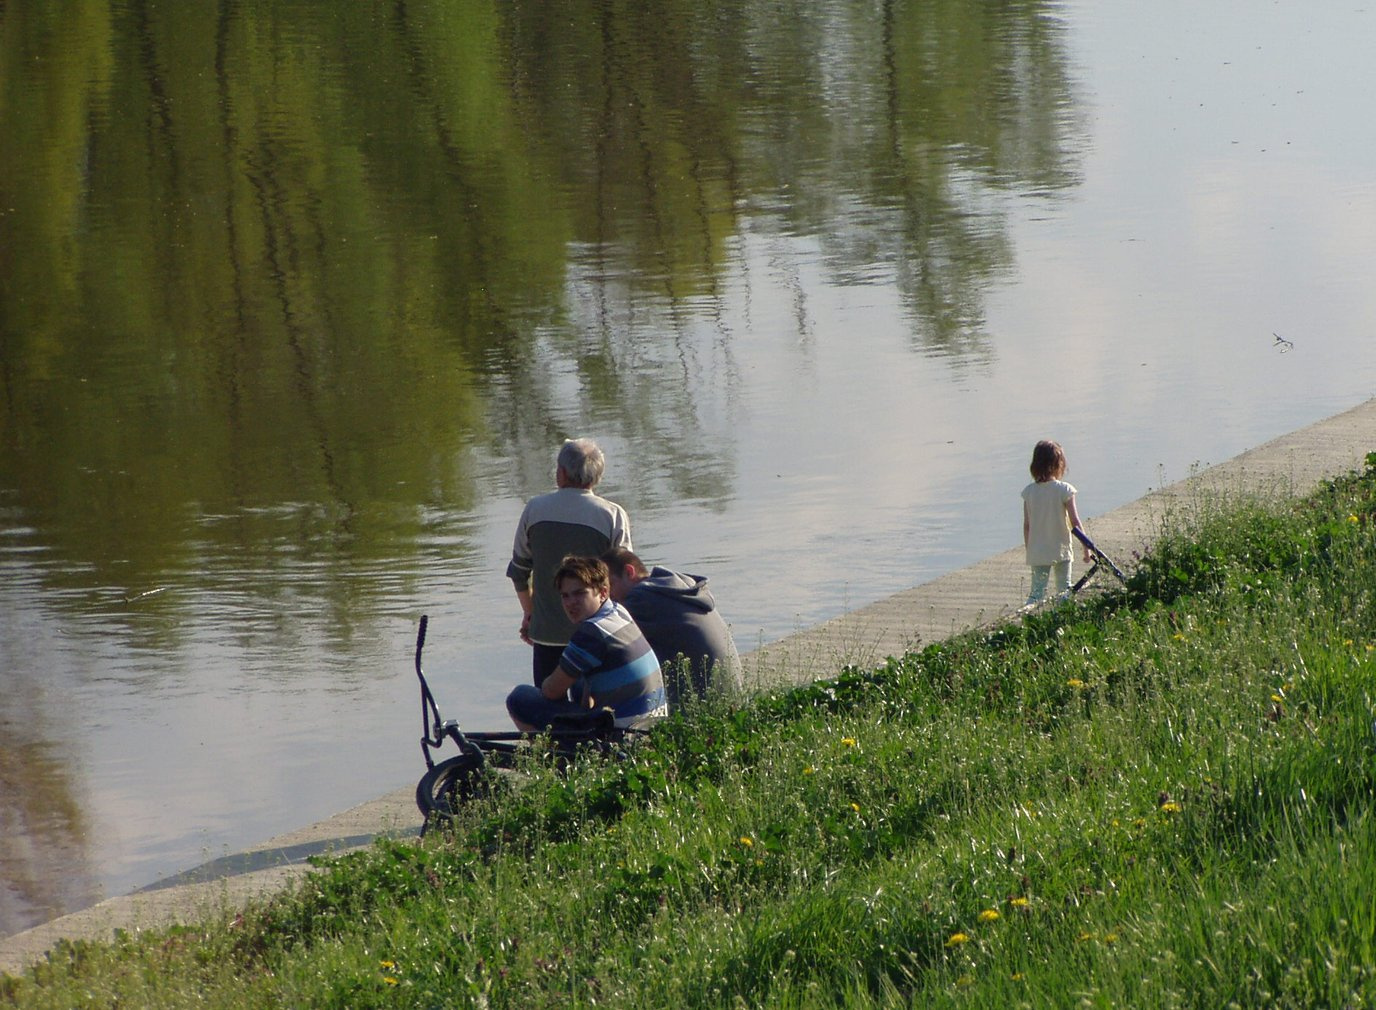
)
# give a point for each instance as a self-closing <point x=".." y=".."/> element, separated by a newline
<point x="571" y="520"/>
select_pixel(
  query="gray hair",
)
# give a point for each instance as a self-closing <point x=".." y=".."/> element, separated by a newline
<point x="582" y="461"/>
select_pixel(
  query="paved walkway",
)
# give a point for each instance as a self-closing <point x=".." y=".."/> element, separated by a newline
<point x="973" y="597"/>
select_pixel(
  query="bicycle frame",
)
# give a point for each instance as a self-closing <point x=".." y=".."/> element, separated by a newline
<point x="447" y="784"/>
<point x="1101" y="560"/>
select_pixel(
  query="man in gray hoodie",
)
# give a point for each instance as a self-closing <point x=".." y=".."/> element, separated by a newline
<point x="680" y="620"/>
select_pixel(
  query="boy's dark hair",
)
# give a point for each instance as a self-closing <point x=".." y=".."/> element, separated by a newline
<point x="1048" y="461"/>
<point x="619" y="557"/>
<point x="589" y="571"/>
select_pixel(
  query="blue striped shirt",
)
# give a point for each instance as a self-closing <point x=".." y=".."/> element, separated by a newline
<point x="610" y="656"/>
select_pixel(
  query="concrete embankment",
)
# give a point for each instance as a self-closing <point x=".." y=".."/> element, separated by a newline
<point x="972" y="597"/>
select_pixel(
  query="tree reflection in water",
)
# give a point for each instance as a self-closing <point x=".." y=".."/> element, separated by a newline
<point x="282" y="284"/>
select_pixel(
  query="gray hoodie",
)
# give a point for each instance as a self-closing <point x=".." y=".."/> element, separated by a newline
<point x="680" y="620"/>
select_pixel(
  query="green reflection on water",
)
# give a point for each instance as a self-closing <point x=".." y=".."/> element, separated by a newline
<point x="281" y="283"/>
<point x="260" y="254"/>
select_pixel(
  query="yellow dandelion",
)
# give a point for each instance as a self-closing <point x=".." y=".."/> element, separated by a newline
<point x="1018" y="902"/>
<point x="988" y="915"/>
<point x="1075" y="682"/>
<point x="809" y="770"/>
<point x="389" y="979"/>
<point x="965" y="981"/>
<point x="747" y="841"/>
<point x="848" y="741"/>
<point x="1277" y="698"/>
<point x="1179" y="636"/>
<point x="1353" y="519"/>
<point x="957" y="939"/>
<point x="388" y="965"/>
<point x="855" y="807"/>
<point x="1085" y="937"/>
<point x="1017" y="976"/>
<point x="1170" y="807"/>
<point x="1110" y="938"/>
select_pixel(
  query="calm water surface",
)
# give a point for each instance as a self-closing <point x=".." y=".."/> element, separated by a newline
<point x="297" y="310"/>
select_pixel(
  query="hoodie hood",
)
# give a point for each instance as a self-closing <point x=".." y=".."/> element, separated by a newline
<point x="688" y="590"/>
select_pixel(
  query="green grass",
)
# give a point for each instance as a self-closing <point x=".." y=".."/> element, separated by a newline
<point x="1161" y="797"/>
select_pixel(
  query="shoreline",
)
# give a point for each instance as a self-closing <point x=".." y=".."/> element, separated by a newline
<point x="978" y="595"/>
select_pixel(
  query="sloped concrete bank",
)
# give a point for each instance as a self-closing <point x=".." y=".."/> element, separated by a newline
<point x="976" y="596"/>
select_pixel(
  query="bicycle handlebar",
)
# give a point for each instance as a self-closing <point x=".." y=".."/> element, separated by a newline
<point x="420" y="637"/>
<point x="1099" y="556"/>
<point x="429" y="710"/>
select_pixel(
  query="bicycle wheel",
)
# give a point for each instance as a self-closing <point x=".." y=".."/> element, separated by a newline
<point x="446" y="787"/>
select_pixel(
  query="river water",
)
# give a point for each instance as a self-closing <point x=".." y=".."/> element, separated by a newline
<point x="298" y="305"/>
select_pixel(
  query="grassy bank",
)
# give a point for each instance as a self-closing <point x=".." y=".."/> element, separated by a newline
<point x="1156" y="798"/>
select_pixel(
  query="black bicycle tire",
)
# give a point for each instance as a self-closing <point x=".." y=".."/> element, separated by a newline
<point x="448" y="785"/>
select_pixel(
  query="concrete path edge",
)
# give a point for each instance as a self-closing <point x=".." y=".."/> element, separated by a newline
<point x="977" y="596"/>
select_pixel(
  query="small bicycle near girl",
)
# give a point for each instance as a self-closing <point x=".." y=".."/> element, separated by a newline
<point x="1101" y="560"/>
<point x="447" y="784"/>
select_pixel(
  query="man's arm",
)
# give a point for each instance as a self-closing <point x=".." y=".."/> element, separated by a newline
<point x="519" y="571"/>
<point x="523" y="595"/>
<point x="557" y="684"/>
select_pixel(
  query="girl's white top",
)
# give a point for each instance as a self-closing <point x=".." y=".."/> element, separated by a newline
<point x="1048" y="534"/>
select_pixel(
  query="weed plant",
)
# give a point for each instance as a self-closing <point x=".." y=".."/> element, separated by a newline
<point x="1159" y="797"/>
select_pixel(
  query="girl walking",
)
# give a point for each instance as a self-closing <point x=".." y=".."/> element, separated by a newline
<point x="1048" y="515"/>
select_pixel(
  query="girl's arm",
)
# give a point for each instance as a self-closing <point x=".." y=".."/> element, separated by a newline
<point x="1073" y="513"/>
<point x="1026" y="524"/>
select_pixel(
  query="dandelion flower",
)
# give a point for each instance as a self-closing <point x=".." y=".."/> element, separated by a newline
<point x="1179" y="636"/>
<point x="1110" y="938"/>
<point x="1018" y="902"/>
<point x="855" y="807"/>
<point x="809" y="770"/>
<point x="957" y="939"/>
<point x="1353" y="519"/>
<point x="988" y="915"/>
<point x="1075" y="682"/>
<point x="747" y="841"/>
<point x="848" y="741"/>
<point x="1170" y="807"/>
<point x="1017" y="976"/>
<point x="389" y="979"/>
<point x="389" y="965"/>
<point x="1085" y="937"/>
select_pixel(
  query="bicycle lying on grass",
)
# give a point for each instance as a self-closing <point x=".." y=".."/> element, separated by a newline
<point x="448" y="784"/>
<point x="1101" y="560"/>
